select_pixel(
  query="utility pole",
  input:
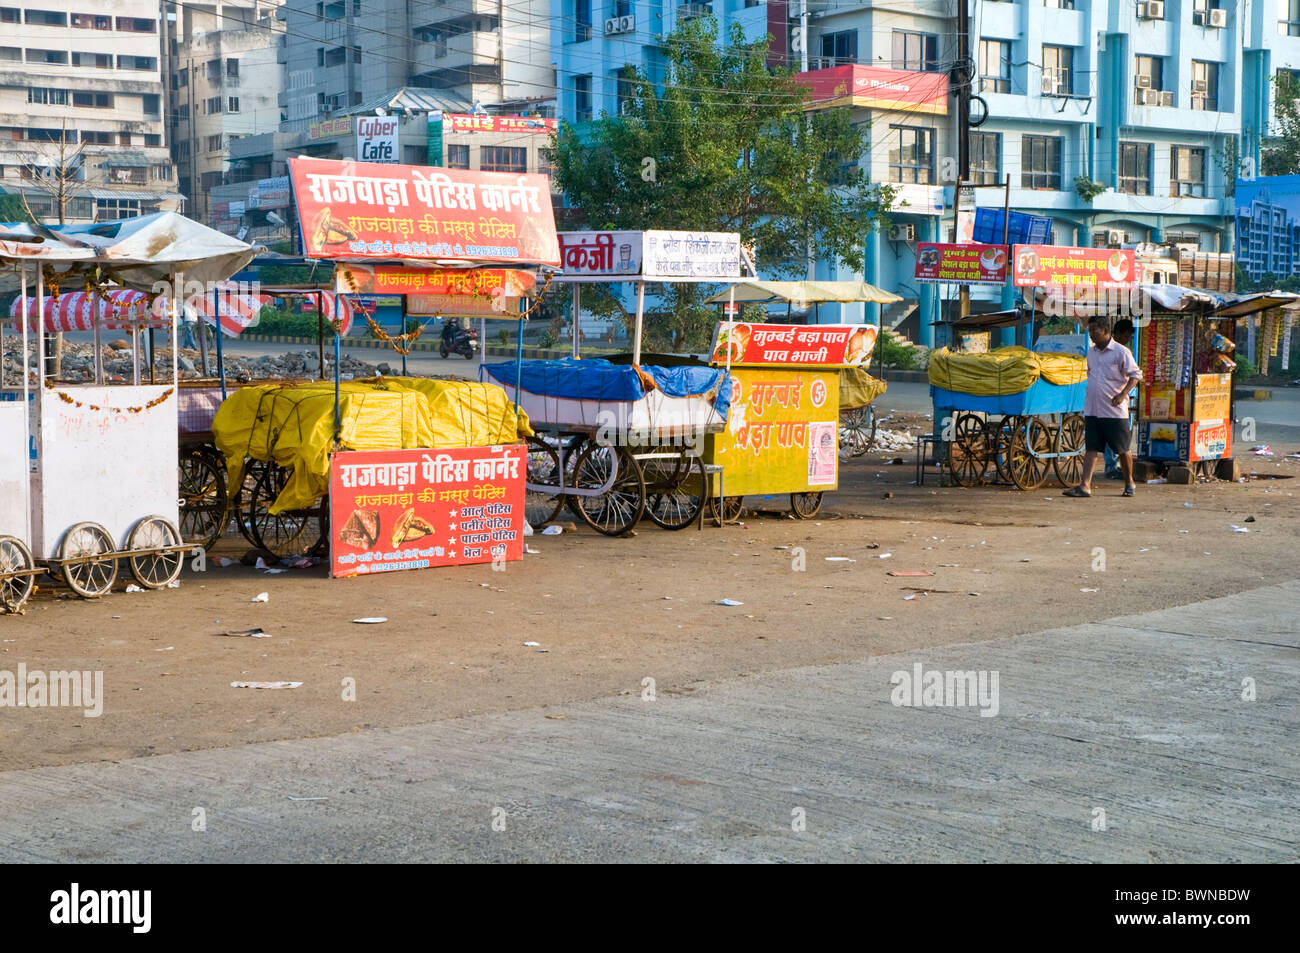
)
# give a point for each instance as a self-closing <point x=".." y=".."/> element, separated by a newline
<point x="803" y="36"/>
<point x="966" y="77"/>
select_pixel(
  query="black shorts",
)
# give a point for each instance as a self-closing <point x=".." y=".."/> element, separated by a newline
<point x="1101" y="432"/>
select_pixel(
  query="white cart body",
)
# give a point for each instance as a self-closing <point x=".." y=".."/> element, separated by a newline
<point x="14" y="470"/>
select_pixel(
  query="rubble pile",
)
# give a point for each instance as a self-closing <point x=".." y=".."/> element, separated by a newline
<point x="893" y="440"/>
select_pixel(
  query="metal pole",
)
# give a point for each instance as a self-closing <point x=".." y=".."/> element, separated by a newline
<point x="519" y="364"/>
<point x="221" y="357"/>
<point x="27" y="418"/>
<point x="202" y="335"/>
<point x="577" y="312"/>
<point x="178" y="282"/>
<point x="482" y="339"/>
<point x="1006" y="212"/>
<point x="803" y="36"/>
<point x="640" y="318"/>
<point x="96" y="326"/>
<point x="320" y="330"/>
<point x="403" y="331"/>
<point x="40" y="328"/>
<point x="338" y="356"/>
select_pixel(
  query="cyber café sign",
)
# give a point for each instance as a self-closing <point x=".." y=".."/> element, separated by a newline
<point x="376" y="138"/>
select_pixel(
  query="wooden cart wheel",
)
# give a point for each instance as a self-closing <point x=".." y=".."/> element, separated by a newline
<point x="242" y="497"/>
<point x="619" y="508"/>
<point x="729" y="512"/>
<point x="16" y="582"/>
<point x="675" y="489"/>
<point x="203" y="502"/>
<point x="857" y="431"/>
<point x="968" y="451"/>
<point x="573" y="447"/>
<point x="1027" y="461"/>
<point x="1069" y="446"/>
<point x="806" y="505"/>
<point x="290" y="532"/>
<point x="1000" y="445"/>
<point x="154" y="570"/>
<point x="540" y="507"/>
<point x="94" y="576"/>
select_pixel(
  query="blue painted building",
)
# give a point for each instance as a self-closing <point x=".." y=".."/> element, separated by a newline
<point x="1146" y="99"/>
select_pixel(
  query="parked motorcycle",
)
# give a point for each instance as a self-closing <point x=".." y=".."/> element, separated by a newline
<point x="458" y="340"/>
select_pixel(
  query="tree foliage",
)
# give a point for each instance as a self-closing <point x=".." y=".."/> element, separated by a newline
<point x="1281" y="152"/>
<point x="726" y="144"/>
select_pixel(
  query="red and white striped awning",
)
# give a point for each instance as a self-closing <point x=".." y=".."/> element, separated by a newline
<point x="122" y="309"/>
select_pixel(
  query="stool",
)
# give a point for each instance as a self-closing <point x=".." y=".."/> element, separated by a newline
<point x="925" y="443"/>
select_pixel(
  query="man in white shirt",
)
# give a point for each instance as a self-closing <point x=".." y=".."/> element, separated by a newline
<point x="1112" y="373"/>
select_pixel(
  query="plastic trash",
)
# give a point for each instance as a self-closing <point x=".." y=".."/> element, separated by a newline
<point x="134" y="588"/>
<point x="247" y="634"/>
<point x="729" y="602"/>
<point x="1240" y="529"/>
<point x="840" y="559"/>
<point x="371" y="620"/>
<point x="532" y="645"/>
<point x="552" y="531"/>
<point x="528" y="528"/>
<point x="532" y="552"/>
<point x="265" y="684"/>
<point x="261" y="597"/>
<point x="885" y="556"/>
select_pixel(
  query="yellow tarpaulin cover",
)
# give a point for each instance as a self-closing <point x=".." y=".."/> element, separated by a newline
<point x="858" y="388"/>
<point x="293" y="425"/>
<point x="1006" y="370"/>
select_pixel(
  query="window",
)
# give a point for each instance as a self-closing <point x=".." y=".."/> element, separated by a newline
<point x="356" y="54"/>
<point x="136" y="25"/>
<point x="232" y="68"/>
<point x="1135" y="168"/>
<point x="97" y="60"/>
<point x="108" y="210"/>
<point x="625" y="82"/>
<point x="10" y="15"/>
<point x="1289" y="25"/>
<point x="1205" y="85"/>
<point x="137" y="62"/>
<point x="1150" y="68"/>
<point x="131" y="176"/>
<point x="582" y="98"/>
<point x="995" y="66"/>
<point x="840" y="47"/>
<point x="47" y="18"/>
<point x="50" y="135"/>
<point x="213" y="143"/>
<point x="182" y="151"/>
<point x="623" y="8"/>
<point x="151" y="104"/>
<point x="1059" y="4"/>
<point x="1187" y="170"/>
<point x="912" y="159"/>
<point x="184" y="77"/>
<point x="47" y="97"/>
<point x="152" y="139"/>
<point x="96" y="137"/>
<point x="1058" y="70"/>
<point x="91" y="21"/>
<point x="915" y="51"/>
<point x="320" y="56"/>
<point x="1040" y="162"/>
<point x="183" y="112"/>
<point x="209" y="180"/>
<point x="985" y="158"/>
<point x="335" y="11"/>
<point x="213" y="105"/>
<point x="503" y="159"/>
<point x="59" y="57"/>
<point x="232" y="104"/>
<point x="336" y="57"/>
<point x="161" y="170"/>
<point x="581" y="21"/>
<point x="94" y="100"/>
<point x="457" y="157"/>
<point x="10" y="54"/>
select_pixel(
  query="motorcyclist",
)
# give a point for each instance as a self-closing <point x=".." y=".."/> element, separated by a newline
<point x="450" y="329"/>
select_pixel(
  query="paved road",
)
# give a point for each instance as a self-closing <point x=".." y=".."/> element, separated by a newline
<point x="1141" y="718"/>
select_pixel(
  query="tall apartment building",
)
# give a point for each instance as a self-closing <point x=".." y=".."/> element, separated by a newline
<point x="81" y="92"/>
<point x="1147" y="99"/>
<point x="225" y="77"/>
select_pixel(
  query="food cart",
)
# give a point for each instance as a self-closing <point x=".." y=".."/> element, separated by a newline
<point x="101" y="483"/>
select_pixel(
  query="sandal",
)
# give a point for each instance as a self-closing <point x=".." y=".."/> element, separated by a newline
<point x="1078" y="492"/>
<point x="1128" y="490"/>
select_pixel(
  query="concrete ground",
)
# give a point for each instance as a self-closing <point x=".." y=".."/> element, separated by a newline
<point x="1128" y="740"/>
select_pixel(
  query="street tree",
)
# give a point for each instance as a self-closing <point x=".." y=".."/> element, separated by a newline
<point x="1280" y="154"/>
<point x="727" y="143"/>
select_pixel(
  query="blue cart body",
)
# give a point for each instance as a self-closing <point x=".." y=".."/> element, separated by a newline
<point x="1042" y="397"/>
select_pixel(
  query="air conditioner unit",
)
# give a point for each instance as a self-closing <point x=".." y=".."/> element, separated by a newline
<point x="1167" y="98"/>
<point x="1200" y="86"/>
<point x="1152" y="97"/>
<point x="1142" y="82"/>
<point x="1114" y="237"/>
<point x="616" y="25"/>
<point x="1185" y="188"/>
<point x="1152" y="10"/>
<point x="1198" y="17"/>
<point x="1219" y="19"/>
<point x="902" y="233"/>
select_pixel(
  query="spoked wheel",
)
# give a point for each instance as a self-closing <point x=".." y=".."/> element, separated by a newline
<point x="1069" y="444"/>
<point x="806" y="505"/>
<point x="729" y="512"/>
<point x="1027" y="461"/>
<point x="968" y="451"/>
<point x="622" y="505"/>
<point x="16" y="580"/>
<point x="151" y="566"/>
<point x="83" y="564"/>
<point x="674" y="489"/>
<point x="242" y="498"/>
<point x="572" y="451"/>
<point x="290" y="532"/>
<point x="857" y="431"/>
<point x="1001" y="444"/>
<point x="541" y="507"/>
<point x="202" y="490"/>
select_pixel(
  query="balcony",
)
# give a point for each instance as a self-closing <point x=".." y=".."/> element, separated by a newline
<point x="457" y="52"/>
<point x="452" y="10"/>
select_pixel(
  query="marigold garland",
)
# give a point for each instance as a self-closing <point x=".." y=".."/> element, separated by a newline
<point x="69" y="399"/>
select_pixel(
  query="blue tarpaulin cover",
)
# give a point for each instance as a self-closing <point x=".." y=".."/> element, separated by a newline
<point x="595" y="379"/>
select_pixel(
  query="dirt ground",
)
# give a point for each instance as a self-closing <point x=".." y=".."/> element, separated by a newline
<point x="610" y="612"/>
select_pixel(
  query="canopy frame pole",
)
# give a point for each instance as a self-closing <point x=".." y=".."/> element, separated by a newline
<point x="96" y="322"/>
<point x="178" y="282"/>
<point x="402" y="330"/>
<point x="338" y="351"/>
<point x="40" y="327"/>
<point x="27" y="404"/>
<point x="640" y="320"/>
<point x="577" y="312"/>
<point x="201" y="336"/>
<point x="320" y="330"/>
<point x="482" y="338"/>
<point x="519" y="362"/>
<point x="221" y="357"/>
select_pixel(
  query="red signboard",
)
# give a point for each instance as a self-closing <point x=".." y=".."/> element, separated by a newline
<point x="799" y="345"/>
<point x="414" y="509"/>
<point x="876" y="87"/>
<point x="463" y="122"/>
<point x="352" y="209"/>
<point x="1051" y="266"/>
<point x="396" y="280"/>
<point x="1211" y="440"/>
<point x="962" y="264"/>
